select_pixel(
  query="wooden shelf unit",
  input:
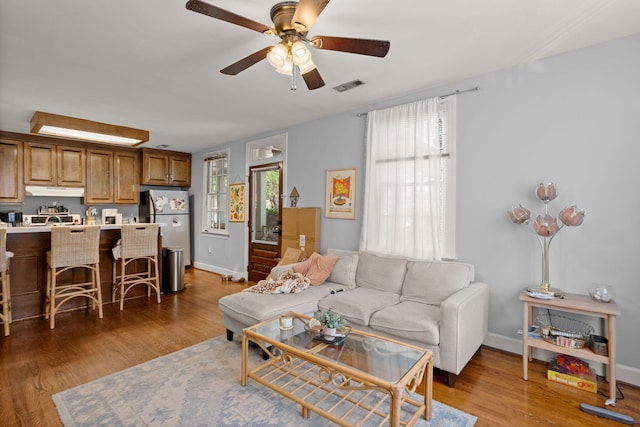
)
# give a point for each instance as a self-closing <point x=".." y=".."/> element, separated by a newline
<point x="579" y="304"/>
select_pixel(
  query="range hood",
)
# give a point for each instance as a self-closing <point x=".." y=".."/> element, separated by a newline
<point x="34" y="190"/>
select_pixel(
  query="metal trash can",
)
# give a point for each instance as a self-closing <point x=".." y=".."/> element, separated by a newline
<point x="173" y="269"/>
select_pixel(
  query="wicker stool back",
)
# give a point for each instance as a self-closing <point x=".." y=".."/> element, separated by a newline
<point x="137" y="242"/>
<point x="73" y="247"/>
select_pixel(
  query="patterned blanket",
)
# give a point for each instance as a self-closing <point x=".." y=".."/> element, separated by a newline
<point x="288" y="283"/>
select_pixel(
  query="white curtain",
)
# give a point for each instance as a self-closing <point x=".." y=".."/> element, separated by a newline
<point x="408" y="195"/>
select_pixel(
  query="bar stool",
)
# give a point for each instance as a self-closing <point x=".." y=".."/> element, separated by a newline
<point x="5" y="289"/>
<point x="73" y="247"/>
<point x="137" y="242"/>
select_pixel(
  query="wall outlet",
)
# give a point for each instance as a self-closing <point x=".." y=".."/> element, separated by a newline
<point x="209" y="250"/>
<point x="302" y="240"/>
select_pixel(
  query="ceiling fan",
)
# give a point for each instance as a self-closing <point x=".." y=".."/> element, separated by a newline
<point x="291" y="22"/>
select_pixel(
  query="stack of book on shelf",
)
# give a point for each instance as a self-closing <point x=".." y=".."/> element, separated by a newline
<point x="572" y="371"/>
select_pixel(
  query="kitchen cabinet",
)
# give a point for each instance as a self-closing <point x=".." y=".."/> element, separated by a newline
<point x="113" y="177"/>
<point x="100" y="172"/>
<point x="126" y="178"/>
<point x="11" y="171"/>
<point x="54" y="165"/>
<point x="162" y="167"/>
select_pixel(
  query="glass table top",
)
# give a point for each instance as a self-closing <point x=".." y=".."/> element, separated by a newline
<point x="379" y="357"/>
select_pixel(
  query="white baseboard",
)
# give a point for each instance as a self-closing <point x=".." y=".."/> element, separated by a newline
<point x="223" y="271"/>
<point x="625" y="374"/>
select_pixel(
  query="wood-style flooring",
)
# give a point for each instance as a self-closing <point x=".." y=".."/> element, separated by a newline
<point x="36" y="362"/>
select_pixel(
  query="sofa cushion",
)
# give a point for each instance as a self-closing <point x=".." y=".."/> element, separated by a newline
<point x="431" y="282"/>
<point x="359" y="304"/>
<point x="344" y="271"/>
<point x="409" y="320"/>
<point x="384" y="273"/>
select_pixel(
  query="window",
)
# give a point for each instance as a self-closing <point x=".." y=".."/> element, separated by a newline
<point x="216" y="188"/>
<point x="410" y="186"/>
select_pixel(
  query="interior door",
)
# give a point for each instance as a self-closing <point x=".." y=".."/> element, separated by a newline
<point x="265" y="188"/>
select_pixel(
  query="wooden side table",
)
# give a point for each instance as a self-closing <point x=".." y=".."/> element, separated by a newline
<point x="573" y="303"/>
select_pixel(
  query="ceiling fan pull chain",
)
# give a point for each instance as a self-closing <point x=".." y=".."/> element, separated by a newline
<point x="294" y="72"/>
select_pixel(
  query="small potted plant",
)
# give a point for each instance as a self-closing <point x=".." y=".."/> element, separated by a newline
<point x="330" y="321"/>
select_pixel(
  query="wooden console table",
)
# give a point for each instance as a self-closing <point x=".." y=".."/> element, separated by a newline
<point x="573" y="303"/>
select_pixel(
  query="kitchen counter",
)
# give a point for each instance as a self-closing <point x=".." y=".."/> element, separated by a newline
<point x="47" y="229"/>
<point x="28" y="269"/>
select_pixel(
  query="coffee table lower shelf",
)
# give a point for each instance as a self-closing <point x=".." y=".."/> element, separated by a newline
<point x="331" y="393"/>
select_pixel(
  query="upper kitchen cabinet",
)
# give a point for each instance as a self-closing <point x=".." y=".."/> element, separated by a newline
<point x="11" y="171"/>
<point x="54" y="165"/>
<point x="113" y="177"/>
<point x="126" y="178"/>
<point x="100" y="172"/>
<point x="161" y="167"/>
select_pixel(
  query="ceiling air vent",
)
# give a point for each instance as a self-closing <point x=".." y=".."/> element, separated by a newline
<point x="349" y="85"/>
<point x="162" y="146"/>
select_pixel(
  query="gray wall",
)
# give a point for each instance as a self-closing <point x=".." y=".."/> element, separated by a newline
<point x="570" y="119"/>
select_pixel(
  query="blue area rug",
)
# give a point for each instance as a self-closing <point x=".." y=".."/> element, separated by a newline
<point x="197" y="386"/>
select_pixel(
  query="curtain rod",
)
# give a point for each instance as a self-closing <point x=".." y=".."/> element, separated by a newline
<point x="457" y="92"/>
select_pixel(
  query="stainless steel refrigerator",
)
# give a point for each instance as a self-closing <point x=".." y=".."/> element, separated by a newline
<point x="170" y="208"/>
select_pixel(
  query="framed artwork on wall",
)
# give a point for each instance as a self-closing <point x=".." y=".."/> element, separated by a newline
<point x="341" y="194"/>
<point x="236" y="203"/>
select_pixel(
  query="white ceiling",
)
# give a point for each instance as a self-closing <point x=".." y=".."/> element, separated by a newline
<point x="154" y="65"/>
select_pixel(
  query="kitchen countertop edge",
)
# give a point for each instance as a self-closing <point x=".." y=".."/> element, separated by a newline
<point x="47" y="229"/>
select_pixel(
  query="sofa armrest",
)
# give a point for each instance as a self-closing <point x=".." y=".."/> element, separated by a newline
<point x="464" y="324"/>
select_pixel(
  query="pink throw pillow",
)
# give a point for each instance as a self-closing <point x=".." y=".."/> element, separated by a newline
<point x="320" y="269"/>
<point x="304" y="266"/>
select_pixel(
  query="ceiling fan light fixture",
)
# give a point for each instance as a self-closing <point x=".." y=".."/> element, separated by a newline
<point x="287" y="67"/>
<point x="300" y="53"/>
<point x="278" y="56"/>
<point x="307" y="66"/>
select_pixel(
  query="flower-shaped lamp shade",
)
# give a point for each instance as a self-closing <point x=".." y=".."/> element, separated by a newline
<point x="546" y="226"/>
<point x="547" y="192"/>
<point x="519" y="214"/>
<point x="572" y="216"/>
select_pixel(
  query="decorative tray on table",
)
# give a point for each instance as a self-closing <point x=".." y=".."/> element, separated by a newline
<point x="337" y="339"/>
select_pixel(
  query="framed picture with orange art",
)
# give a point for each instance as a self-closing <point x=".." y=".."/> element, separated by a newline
<point x="236" y="203"/>
<point x="341" y="194"/>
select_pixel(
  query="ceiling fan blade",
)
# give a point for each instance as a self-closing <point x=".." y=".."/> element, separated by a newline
<point x="369" y="47"/>
<point x="306" y="14"/>
<point x="313" y="79"/>
<point x="247" y="62"/>
<point x="224" y="15"/>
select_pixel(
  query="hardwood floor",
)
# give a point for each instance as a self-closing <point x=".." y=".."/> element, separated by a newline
<point x="36" y="362"/>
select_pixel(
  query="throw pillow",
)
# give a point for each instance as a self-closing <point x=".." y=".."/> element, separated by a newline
<point x="303" y="266"/>
<point x="344" y="272"/>
<point x="320" y="268"/>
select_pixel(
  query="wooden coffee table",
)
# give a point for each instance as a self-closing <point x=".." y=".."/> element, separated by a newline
<point x="365" y="378"/>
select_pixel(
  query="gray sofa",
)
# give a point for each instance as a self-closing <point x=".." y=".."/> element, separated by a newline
<point x="431" y="304"/>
